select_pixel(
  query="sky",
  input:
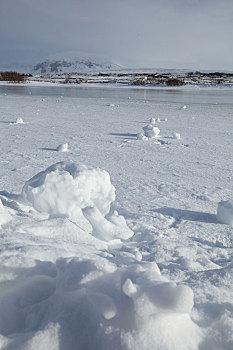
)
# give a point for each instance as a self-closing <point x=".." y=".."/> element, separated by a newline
<point x="192" y="34"/>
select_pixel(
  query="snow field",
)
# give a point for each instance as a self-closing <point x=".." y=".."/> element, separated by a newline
<point x="64" y="279"/>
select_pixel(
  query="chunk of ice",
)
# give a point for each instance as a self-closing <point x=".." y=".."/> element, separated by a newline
<point x="176" y="136"/>
<point x="225" y="212"/>
<point x="63" y="147"/>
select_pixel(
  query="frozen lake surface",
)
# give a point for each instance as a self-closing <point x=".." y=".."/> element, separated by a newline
<point x="125" y="252"/>
<point x="172" y="95"/>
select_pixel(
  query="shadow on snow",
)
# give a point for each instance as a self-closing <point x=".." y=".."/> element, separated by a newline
<point x="129" y="135"/>
<point x="180" y="214"/>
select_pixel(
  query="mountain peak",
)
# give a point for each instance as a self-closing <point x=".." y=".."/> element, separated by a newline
<point x="68" y="62"/>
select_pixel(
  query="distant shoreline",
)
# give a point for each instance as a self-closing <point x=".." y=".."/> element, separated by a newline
<point x="129" y="79"/>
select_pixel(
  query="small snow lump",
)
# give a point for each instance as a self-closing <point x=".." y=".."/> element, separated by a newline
<point x="225" y="212"/>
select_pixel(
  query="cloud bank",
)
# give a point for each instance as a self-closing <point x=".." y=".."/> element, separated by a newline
<point x="136" y="33"/>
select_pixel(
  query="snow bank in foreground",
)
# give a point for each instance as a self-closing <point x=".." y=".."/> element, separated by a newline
<point x="81" y="304"/>
<point x="225" y="212"/>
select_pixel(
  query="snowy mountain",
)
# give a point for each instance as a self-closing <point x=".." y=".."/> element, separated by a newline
<point x="75" y="62"/>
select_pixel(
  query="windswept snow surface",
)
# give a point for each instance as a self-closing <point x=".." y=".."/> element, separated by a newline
<point x="115" y="244"/>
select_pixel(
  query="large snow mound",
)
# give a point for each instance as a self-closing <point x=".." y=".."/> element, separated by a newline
<point x="81" y="193"/>
<point x="65" y="188"/>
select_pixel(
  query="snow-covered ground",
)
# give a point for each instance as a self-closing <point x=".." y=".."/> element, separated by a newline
<point x="118" y="245"/>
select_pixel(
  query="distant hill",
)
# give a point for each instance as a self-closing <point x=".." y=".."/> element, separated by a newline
<point x="75" y="62"/>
